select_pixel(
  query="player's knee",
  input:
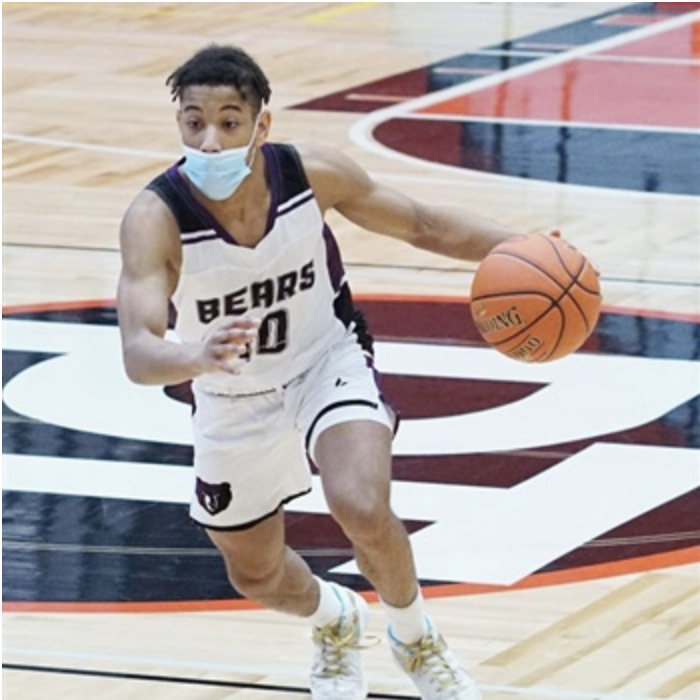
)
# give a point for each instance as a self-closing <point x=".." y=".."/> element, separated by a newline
<point x="255" y="577"/>
<point x="258" y="582"/>
<point x="362" y="519"/>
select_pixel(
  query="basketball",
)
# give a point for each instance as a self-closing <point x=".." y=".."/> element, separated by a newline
<point x="536" y="298"/>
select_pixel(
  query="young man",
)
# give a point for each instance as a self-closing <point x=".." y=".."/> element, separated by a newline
<point x="234" y="236"/>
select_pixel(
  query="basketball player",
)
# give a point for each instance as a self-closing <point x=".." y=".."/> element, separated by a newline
<point x="281" y="362"/>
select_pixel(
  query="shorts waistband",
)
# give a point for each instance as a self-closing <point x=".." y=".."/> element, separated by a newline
<point x="258" y="392"/>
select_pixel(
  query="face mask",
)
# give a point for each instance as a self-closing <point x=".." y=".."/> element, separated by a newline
<point x="218" y="175"/>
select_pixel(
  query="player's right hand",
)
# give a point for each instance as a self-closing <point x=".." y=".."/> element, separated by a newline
<point x="228" y="347"/>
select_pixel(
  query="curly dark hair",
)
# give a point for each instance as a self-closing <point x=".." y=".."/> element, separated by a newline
<point x="223" y="65"/>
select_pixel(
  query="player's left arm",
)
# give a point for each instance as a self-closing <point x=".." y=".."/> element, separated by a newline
<point x="341" y="184"/>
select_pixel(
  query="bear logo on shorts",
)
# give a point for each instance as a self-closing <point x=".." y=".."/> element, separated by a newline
<point x="213" y="497"/>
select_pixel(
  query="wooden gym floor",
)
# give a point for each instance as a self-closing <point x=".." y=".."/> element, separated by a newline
<point x="553" y="509"/>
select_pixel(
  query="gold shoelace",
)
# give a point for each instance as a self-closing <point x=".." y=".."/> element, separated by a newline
<point x="427" y="654"/>
<point x="336" y="641"/>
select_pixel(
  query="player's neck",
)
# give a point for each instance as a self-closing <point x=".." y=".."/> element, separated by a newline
<point x="244" y="215"/>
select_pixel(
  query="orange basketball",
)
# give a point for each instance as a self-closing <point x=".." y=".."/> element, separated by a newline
<point x="536" y="298"/>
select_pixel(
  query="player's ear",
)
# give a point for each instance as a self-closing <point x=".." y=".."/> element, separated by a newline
<point x="264" y="123"/>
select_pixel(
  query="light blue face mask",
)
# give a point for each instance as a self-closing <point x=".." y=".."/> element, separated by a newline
<point x="218" y="175"/>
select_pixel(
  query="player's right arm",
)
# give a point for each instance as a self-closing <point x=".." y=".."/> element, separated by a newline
<point x="151" y="255"/>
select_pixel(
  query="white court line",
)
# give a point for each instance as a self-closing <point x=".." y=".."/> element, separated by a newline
<point x="613" y="58"/>
<point x="361" y="133"/>
<point x="606" y="58"/>
<point x="81" y="146"/>
<point x="456" y="175"/>
<point x="301" y="673"/>
<point x="644" y="60"/>
<point x="525" y="121"/>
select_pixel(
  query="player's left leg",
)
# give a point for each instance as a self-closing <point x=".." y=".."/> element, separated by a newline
<point x="354" y="460"/>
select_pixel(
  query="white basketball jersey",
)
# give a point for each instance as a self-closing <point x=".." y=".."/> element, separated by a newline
<point x="293" y="280"/>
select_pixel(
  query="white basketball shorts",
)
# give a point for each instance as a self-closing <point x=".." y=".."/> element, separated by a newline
<point x="250" y="452"/>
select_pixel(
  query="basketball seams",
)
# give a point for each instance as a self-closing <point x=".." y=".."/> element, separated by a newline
<point x="535" y="266"/>
<point x="524" y="330"/>
<point x="519" y="293"/>
<point x="575" y="278"/>
<point x="586" y="267"/>
<point x="557" y="251"/>
<point x="590" y="323"/>
<point x="564" y="281"/>
<point x="553" y="302"/>
<point x="576" y="302"/>
<point x="520" y="330"/>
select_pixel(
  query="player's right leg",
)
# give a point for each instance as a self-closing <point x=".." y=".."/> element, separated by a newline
<point x="262" y="568"/>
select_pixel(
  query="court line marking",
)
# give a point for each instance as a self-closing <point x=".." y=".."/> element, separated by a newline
<point x="459" y="176"/>
<point x="611" y="58"/>
<point x="689" y="557"/>
<point x="606" y="58"/>
<point x="585" y="51"/>
<point x="212" y="553"/>
<point x="644" y="60"/>
<point x="46" y="306"/>
<point x="294" y="672"/>
<point x="361" y="133"/>
<point x="545" y="45"/>
<point x="461" y="118"/>
<point x="466" y="272"/>
<point x="196" y="552"/>
<point x="173" y="680"/>
<point x="82" y="146"/>
<point x="534" y="53"/>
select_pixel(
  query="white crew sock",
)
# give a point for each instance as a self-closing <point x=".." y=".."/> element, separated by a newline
<point x="330" y="605"/>
<point x="407" y="624"/>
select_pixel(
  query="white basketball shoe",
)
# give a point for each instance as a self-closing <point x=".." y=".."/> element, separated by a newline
<point x="337" y="672"/>
<point x="433" y="668"/>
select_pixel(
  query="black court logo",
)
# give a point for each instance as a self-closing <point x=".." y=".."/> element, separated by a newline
<point x="492" y="457"/>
